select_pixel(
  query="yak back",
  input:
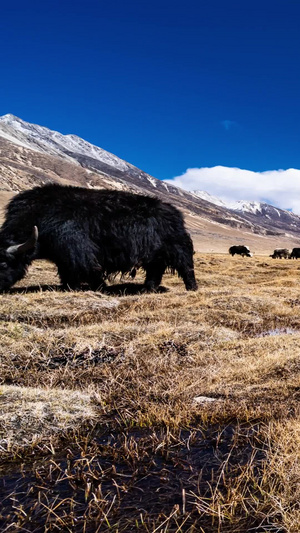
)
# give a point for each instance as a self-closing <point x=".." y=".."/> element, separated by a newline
<point x="115" y="223"/>
<point x="53" y="204"/>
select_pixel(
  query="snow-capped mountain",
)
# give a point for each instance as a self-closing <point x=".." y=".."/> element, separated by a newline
<point x="51" y="142"/>
<point x="243" y="206"/>
<point x="257" y="208"/>
<point x="261" y="212"/>
<point x="32" y="155"/>
<point x="73" y="149"/>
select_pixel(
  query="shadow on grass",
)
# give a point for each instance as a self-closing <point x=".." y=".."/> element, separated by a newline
<point x="121" y="289"/>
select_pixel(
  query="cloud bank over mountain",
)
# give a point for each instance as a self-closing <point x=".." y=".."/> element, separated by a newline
<point x="277" y="187"/>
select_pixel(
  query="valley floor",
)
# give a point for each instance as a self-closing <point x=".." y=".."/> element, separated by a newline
<point x="169" y="412"/>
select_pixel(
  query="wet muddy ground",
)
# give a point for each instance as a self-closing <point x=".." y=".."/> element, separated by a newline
<point x="136" y="473"/>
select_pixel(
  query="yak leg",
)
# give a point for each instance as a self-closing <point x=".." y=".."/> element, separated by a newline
<point x="70" y="276"/>
<point x="188" y="276"/>
<point x="154" y="273"/>
<point x="73" y="282"/>
<point x="77" y="264"/>
<point x="72" y="279"/>
<point x="185" y="268"/>
<point x="69" y="280"/>
<point x="96" y="281"/>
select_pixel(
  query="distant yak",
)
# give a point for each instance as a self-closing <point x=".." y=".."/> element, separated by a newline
<point x="240" y="249"/>
<point x="295" y="253"/>
<point x="280" y="253"/>
<point x="92" y="234"/>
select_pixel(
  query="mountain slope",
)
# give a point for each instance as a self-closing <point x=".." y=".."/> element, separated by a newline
<point x="265" y="215"/>
<point x="33" y="155"/>
<point x="39" y="155"/>
<point x="75" y="150"/>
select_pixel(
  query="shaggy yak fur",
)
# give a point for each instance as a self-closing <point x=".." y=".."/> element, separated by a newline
<point x="92" y="234"/>
<point x="280" y="253"/>
<point x="295" y="253"/>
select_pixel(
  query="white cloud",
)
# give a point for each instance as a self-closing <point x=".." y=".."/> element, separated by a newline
<point x="277" y="187"/>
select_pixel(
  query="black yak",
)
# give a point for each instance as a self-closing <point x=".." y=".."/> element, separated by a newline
<point x="240" y="249"/>
<point x="295" y="253"/>
<point x="280" y="253"/>
<point x="92" y="234"/>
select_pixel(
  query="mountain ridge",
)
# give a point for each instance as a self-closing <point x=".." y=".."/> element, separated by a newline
<point x="33" y="155"/>
<point x="262" y="212"/>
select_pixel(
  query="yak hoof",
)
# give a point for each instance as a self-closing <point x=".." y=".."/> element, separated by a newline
<point x="152" y="288"/>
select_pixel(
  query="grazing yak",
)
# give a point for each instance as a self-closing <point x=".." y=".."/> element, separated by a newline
<point x="295" y="253"/>
<point x="240" y="249"/>
<point x="91" y="234"/>
<point x="280" y="253"/>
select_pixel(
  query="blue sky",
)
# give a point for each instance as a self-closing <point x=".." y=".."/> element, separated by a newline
<point x="165" y="85"/>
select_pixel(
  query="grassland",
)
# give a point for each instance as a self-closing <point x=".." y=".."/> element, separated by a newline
<point x="167" y="412"/>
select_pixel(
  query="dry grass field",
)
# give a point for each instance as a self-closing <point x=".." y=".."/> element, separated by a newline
<point x="167" y="412"/>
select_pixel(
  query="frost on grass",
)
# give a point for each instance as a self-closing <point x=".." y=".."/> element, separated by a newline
<point x="28" y="414"/>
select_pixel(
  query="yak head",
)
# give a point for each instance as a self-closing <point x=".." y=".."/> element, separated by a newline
<point x="15" y="259"/>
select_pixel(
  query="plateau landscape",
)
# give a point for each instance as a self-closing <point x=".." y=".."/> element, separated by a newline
<point x="173" y="411"/>
<point x="149" y="267"/>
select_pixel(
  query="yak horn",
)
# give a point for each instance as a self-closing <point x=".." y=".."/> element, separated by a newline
<point x="25" y="246"/>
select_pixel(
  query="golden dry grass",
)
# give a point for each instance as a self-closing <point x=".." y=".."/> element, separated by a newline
<point x="28" y="412"/>
<point x="98" y="412"/>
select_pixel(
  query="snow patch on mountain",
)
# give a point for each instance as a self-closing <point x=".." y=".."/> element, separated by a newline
<point x="93" y="159"/>
<point x="13" y="138"/>
<point x="241" y="205"/>
<point x="44" y="140"/>
<point x="204" y="195"/>
<point x="152" y="181"/>
<point x="246" y="207"/>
